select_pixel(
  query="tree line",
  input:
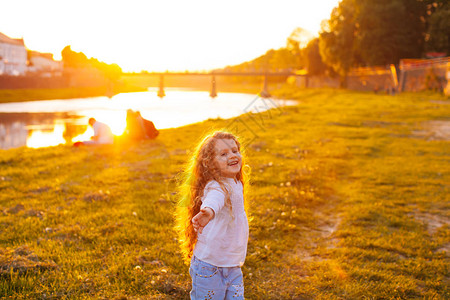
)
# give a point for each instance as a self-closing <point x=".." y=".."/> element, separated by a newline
<point x="78" y="60"/>
<point x="362" y="33"/>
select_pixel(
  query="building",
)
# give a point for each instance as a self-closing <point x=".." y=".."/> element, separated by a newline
<point x="13" y="56"/>
<point x="44" y="64"/>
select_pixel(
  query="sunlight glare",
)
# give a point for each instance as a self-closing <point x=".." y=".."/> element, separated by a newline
<point x="43" y="138"/>
<point x="163" y="35"/>
<point x="116" y="120"/>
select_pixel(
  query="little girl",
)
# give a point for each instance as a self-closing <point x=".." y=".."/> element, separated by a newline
<point x="211" y="218"/>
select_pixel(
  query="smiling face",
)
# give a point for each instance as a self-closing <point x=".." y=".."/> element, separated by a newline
<point x="228" y="157"/>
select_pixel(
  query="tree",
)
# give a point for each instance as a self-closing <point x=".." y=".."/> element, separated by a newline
<point x="299" y="38"/>
<point x="73" y="59"/>
<point x="282" y="59"/>
<point x="389" y="30"/>
<point x="377" y="32"/>
<point x="313" y="59"/>
<point x="337" y="45"/>
<point x="297" y="41"/>
<point x="437" y="36"/>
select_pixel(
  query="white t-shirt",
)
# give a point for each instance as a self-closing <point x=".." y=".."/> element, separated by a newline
<point x="223" y="242"/>
<point x="103" y="132"/>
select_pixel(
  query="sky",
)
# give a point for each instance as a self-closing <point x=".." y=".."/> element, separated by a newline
<point x="174" y="35"/>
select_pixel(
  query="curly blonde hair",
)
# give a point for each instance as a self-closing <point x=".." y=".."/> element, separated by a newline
<point x="201" y="169"/>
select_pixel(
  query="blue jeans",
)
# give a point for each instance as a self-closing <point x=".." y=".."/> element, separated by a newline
<point x="211" y="282"/>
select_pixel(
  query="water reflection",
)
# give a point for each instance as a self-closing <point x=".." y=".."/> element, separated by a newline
<point x="13" y="135"/>
<point x="36" y="130"/>
<point x="49" y="123"/>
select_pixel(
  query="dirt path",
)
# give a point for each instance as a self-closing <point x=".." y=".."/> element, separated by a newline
<point x="434" y="130"/>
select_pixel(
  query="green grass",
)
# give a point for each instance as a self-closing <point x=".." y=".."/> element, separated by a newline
<point x="349" y="200"/>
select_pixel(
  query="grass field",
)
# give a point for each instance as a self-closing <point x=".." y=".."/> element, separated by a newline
<point x="349" y="200"/>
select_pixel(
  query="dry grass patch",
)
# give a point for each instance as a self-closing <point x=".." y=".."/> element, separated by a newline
<point x="22" y="260"/>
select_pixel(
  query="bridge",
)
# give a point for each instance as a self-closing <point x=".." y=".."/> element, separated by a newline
<point x="213" y="93"/>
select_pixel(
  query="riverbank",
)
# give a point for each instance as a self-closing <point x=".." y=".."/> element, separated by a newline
<point x="349" y="199"/>
<point x="129" y="83"/>
<point x="21" y="95"/>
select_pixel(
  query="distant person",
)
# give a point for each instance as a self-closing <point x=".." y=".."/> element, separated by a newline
<point x="102" y="134"/>
<point x="135" y="128"/>
<point x="139" y="128"/>
<point x="149" y="128"/>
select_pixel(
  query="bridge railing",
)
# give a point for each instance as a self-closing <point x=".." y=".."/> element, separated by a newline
<point x="213" y="92"/>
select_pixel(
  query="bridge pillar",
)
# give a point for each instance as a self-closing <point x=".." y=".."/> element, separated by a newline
<point x="161" y="92"/>
<point x="265" y="93"/>
<point x="213" y="93"/>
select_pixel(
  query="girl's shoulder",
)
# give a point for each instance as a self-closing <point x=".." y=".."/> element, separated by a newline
<point x="228" y="184"/>
<point x="213" y="189"/>
<point x="212" y="185"/>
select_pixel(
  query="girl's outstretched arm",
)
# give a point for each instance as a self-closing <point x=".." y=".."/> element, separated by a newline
<point x="201" y="219"/>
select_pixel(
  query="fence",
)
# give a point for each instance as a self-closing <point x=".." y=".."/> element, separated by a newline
<point x="424" y="74"/>
<point x="411" y="75"/>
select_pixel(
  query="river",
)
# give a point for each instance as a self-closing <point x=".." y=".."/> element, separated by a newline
<point x="47" y="123"/>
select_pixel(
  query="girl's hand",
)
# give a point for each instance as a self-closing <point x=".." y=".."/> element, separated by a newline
<point x="201" y="219"/>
